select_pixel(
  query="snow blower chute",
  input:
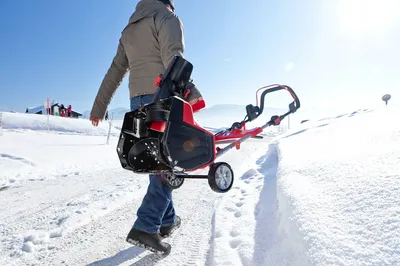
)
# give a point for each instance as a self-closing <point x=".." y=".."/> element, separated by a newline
<point x="163" y="137"/>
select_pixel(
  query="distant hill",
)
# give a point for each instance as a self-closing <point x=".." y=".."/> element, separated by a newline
<point x="234" y="112"/>
<point x="4" y="108"/>
<point x="118" y="113"/>
<point x="223" y="115"/>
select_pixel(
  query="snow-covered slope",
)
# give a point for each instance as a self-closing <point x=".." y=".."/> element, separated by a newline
<point x="338" y="184"/>
<point x="325" y="192"/>
<point x="56" y="124"/>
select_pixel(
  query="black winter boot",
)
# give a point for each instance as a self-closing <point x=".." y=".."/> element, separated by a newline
<point x="151" y="242"/>
<point x="166" y="231"/>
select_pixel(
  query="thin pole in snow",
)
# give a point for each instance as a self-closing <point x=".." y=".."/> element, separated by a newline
<point x="48" y="114"/>
<point x="109" y="128"/>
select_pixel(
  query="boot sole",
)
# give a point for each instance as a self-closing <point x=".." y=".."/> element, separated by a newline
<point x="151" y="249"/>
<point x="170" y="233"/>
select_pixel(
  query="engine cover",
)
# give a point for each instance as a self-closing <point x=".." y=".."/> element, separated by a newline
<point x="187" y="145"/>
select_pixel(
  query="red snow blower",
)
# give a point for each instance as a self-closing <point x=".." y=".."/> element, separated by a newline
<point x="163" y="137"/>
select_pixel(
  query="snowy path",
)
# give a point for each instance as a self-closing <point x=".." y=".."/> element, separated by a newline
<point x="35" y="216"/>
<point x="84" y="220"/>
<point x="103" y="241"/>
<point x="325" y="193"/>
<point x="82" y="216"/>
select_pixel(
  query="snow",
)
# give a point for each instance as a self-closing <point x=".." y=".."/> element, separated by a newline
<point x="59" y="125"/>
<point x="344" y="193"/>
<point x="325" y="192"/>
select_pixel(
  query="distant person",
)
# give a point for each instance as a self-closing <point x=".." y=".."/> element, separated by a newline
<point x="69" y="111"/>
<point x="62" y="110"/>
<point x="150" y="41"/>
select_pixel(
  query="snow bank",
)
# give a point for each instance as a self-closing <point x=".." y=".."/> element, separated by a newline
<point x="19" y="121"/>
<point x="326" y="193"/>
<point x="72" y="146"/>
<point x="338" y="184"/>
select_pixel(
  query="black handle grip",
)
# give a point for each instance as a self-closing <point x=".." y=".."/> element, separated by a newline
<point x="292" y="107"/>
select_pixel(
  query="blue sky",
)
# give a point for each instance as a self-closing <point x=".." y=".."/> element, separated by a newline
<point x="333" y="53"/>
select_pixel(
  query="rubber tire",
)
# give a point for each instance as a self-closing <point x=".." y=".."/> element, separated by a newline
<point x="211" y="177"/>
<point x="168" y="184"/>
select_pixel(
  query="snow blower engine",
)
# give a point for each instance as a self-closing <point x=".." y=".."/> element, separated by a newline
<point x="163" y="137"/>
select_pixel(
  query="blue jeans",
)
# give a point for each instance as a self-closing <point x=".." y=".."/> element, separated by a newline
<point x="157" y="207"/>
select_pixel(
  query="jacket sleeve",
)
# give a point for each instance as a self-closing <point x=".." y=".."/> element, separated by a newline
<point x="172" y="43"/>
<point x="171" y="39"/>
<point x="112" y="80"/>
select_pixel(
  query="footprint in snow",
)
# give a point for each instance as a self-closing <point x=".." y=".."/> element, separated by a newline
<point x="230" y="209"/>
<point x="36" y="240"/>
<point x="239" y="204"/>
<point x="234" y="243"/>
<point x="61" y="220"/>
<point x="4" y="188"/>
<point x="250" y="174"/>
<point x="28" y="247"/>
<point x="234" y="233"/>
<point x="243" y="191"/>
<point x="238" y="214"/>
<point x="218" y="234"/>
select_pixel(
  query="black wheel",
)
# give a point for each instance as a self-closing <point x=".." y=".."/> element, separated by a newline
<point x="220" y="177"/>
<point x="173" y="182"/>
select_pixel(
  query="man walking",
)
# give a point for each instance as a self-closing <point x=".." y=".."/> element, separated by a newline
<point x="148" y="44"/>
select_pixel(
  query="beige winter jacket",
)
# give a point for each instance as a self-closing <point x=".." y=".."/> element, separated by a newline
<point x="153" y="36"/>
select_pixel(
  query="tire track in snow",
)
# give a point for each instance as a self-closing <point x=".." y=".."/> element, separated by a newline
<point x="193" y="241"/>
<point x="196" y="206"/>
<point x="16" y="158"/>
<point x="47" y="194"/>
<point x="36" y="228"/>
<point x="102" y="242"/>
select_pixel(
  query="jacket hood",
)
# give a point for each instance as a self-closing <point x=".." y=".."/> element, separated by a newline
<point x="146" y="8"/>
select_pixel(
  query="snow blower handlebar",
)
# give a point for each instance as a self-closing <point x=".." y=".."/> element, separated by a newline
<point x="255" y="111"/>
